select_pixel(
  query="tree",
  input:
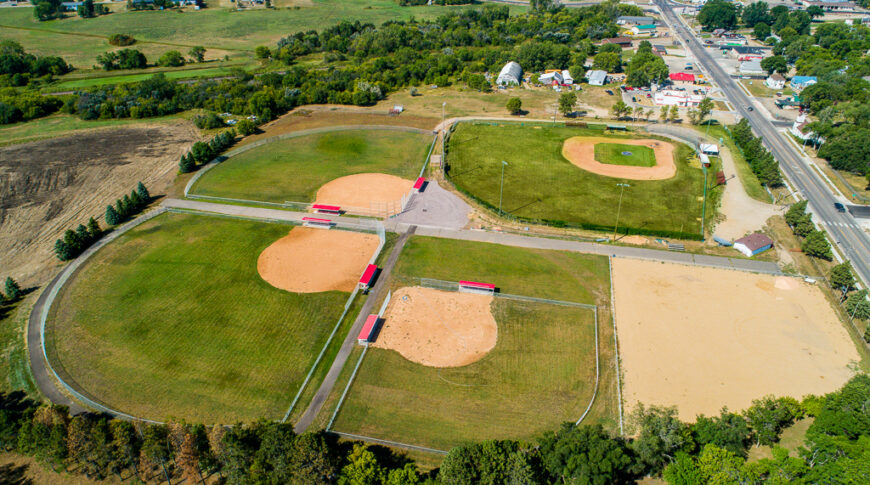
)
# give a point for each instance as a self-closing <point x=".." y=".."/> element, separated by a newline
<point x="804" y="226"/>
<point x="849" y="150"/>
<point x="478" y="82"/>
<point x="775" y="64"/>
<point x="756" y="13"/>
<point x="108" y="60"/>
<point x="705" y="107"/>
<point x="857" y="305"/>
<point x="761" y="31"/>
<point x="619" y="109"/>
<point x="313" y="462"/>
<point x="62" y="251"/>
<point x="171" y="59"/>
<point x="362" y="468"/>
<point x="567" y="101"/>
<point x="12" y="290"/>
<point x="675" y="113"/>
<point x="663" y="114"/>
<point x="768" y="416"/>
<point x="794" y="213"/>
<point x="585" y="454"/>
<point x="648" y="113"/>
<point x="246" y="127"/>
<point x="197" y="53"/>
<point x="607" y="61"/>
<point x="112" y="216"/>
<point x="817" y="246"/>
<point x="143" y="192"/>
<point x="815" y="11"/>
<point x="728" y="430"/>
<point x="47" y="9"/>
<point x="661" y="436"/>
<point x="131" y="59"/>
<point x="262" y="52"/>
<point x="638" y="112"/>
<point x="841" y="277"/>
<point x="86" y="9"/>
<point x="718" y="14"/>
<point x="515" y="106"/>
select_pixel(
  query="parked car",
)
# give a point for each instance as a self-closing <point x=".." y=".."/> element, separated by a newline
<point x="608" y="92"/>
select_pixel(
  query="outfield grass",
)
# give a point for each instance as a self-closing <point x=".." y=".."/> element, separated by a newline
<point x="614" y="154"/>
<point x="293" y="169"/>
<point x="540" y="373"/>
<point x="540" y="184"/>
<point x="172" y="319"/>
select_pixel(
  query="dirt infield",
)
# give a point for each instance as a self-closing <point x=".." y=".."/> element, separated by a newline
<point x="703" y="338"/>
<point x="366" y="191"/>
<point x="312" y="260"/>
<point x="438" y="328"/>
<point x="580" y="151"/>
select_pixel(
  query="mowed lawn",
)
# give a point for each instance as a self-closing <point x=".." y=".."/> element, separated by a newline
<point x="540" y="184"/>
<point x="619" y="154"/>
<point x="172" y="319"/>
<point x="293" y="169"/>
<point x="540" y="373"/>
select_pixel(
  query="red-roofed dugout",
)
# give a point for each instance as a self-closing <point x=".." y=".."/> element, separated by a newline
<point x="368" y="329"/>
<point x="330" y="209"/>
<point x="419" y="183"/>
<point x="367" y="276"/>
<point x="477" y="285"/>
<point x="317" y="220"/>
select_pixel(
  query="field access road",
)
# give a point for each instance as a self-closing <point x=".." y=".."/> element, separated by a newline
<point x="843" y="231"/>
<point x="518" y="240"/>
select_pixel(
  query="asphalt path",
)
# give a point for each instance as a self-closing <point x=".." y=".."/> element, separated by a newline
<point x="841" y="227"/>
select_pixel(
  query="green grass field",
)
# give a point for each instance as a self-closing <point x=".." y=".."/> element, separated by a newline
<point x="293" y="169"/>
<point x="540" y="373"/>
<point x="540" y="184"/>
<point x="615" y="154"/>
<point x="172" y="319"/>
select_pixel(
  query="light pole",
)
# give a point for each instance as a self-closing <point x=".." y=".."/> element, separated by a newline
<point x="501" y="189"/>
<point x="443" y="131"/>
<point x="619" y="207"/>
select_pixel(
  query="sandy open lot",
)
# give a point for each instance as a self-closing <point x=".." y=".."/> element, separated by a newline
<point x="438" y="328"/>
<point x="310" y="260"/>
<point x="703" y="338"/>
<point x="580" y="151"/>
<point x="376" y="191"/>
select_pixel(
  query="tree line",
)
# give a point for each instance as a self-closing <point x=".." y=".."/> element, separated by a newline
<point x="201" y="153"/>
<point x="760" y="160"/>
<point x="713" y="449"/>
<point x="815" y="243"/>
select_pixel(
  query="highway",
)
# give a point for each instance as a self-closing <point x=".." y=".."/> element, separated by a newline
<point x="842" y="228"/>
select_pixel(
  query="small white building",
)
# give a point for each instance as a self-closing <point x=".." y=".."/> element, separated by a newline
<point x="709" y="149"/>
<point x="800" y="130"/>
<point x="775" y="81"/>
<point x="751" y="67"/>
<point x="676" y="97"/>
<point x="551" y="77"/>
<point x="566" y="78"/>
<point x="596" y="78"/>
<point x="753" y="244"/>
<point x="510" y="75"/>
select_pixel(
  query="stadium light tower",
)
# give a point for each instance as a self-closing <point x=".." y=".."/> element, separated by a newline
<point x="443" y="131"/>
<point x="619" y="207"/>
<point x="501" y="189"/>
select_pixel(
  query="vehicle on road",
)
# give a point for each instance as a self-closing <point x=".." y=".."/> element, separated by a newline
<point x="840" y="207"/>
<point x="749" y="108"/>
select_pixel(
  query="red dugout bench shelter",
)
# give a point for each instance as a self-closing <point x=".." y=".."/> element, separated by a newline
<point x="419" y="184"/>
<point x="368" y="330"/>
<point x="326" y="209"/>
<point x="368" y="275"/>
<point x="317" y="222"/>
<point x="476" y="287"/>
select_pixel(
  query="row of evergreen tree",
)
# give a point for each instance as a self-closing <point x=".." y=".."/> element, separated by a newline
<point x="815" y="243"/>
<point x="75" y="242"/>
<point x="201" y="153"/>
<point x="760" y="160"/>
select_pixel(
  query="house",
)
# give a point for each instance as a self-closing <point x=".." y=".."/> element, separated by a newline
<point x="709" y="149"/>
<point x="659" y="50"/>
<point x="567" y="80"/>
<point x="552" y="77"/>
<point x="684" y="77"/>
<point x="800" y="130"/>
<point x="511" y="75"/>
<point x="648" y="29"/>
<point x="676" y="97"/>
<point x="624" y="42"/>
<point x="632" y="20"/>
<point x="799" y="83"/>
<point x="71" y="6"/>
<point x="775" y="81"/>
<point x="753" y="244"/>
<point x="596" y="78"/>
<point x="751" y="67"/>
<point x="747" y="53"/>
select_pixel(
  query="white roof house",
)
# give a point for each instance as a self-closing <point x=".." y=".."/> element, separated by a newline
<point x="566" y="77"/>
<point x="775" y="81"/>
<point x="510" y="75"/>
<point x="597" y="78"/>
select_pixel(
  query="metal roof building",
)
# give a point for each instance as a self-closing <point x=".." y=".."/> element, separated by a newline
<point x="596" y="78"/>
<point x="510" y="75"/>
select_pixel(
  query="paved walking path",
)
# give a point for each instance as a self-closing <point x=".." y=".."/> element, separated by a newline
<point x="347" y="346"/>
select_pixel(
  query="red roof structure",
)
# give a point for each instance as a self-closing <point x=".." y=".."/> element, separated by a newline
<point x="368" y="329"/>
<point x="317" y="220"/>
<point x="368" y="275"/>
<point x="331" y="209"/>
<point x="623" y="41"/>
<point x="475" y="284"/>
<point x="419" y="183"/>
<point x="682" y="76"/>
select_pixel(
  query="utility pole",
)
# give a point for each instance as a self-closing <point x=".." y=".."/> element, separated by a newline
<point x="443" y="131"/>
<point x="619" y="207"/>
<point x="704" y="205"/>
<point x="501" y="189"/>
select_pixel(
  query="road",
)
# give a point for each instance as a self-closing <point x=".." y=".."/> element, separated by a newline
<point x="842" y="228"/>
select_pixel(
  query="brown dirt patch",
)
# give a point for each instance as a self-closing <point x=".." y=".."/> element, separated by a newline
<point x="52" y="185"/>
<point x="438" y="328"/>
<point x="580" y="151"/>
<point x="376" y="191"/>
<point x="309" y="260"/>
<point x="702" y="338"/>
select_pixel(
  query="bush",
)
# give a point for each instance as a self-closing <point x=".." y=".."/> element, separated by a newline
<point x="121" y="39"/>
<point x="246" y="127"/>
<point x="208" y="121"/>
<point x="171" y="59"/>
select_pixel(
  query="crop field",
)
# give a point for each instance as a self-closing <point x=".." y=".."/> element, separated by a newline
<point x="172" y="319"/>
<point x="541" y="184"/>
<point x="618" y="154"/>
<point x="293" y="169"/>
<point x="540" y="373"/>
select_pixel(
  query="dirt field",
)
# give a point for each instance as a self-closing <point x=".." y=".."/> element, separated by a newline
<point x="366" y="191"/>
<point x="702" y="338"/>
<point x="580" y="150"/>
<point x="312" y="260"/>
<point x="49" y="186"/>
<point x="438" y="328"/>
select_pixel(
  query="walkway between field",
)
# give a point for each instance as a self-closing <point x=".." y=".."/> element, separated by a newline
<point x="368" y="308"/>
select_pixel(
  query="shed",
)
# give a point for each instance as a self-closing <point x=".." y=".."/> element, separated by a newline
<point x="753" y="244"/>
<point x="705" y="160"/>
<point x="566" y="78"/>
<point x="510" y="75"/>
<point x="709" y="149"/>
<point x="597" y="78"/>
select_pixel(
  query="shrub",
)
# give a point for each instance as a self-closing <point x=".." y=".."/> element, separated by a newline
<point x="121" y="39"/>
<point x="208" y="121"/>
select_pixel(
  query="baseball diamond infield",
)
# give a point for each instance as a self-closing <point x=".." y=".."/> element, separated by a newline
<point x="683" y="341"/>
<point x="376" y="191"/>
<point x="580" y="151"/>
<point x="438" y="328"/>
<point x="309" y="260"/>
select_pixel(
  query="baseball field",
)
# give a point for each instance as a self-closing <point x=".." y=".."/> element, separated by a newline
<point x="570" y="175"/>
<point x="449" y="367"/>
<point x="349" y="167"/>
<point x="183" y="316"/>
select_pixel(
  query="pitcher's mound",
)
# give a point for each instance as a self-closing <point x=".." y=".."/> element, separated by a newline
<point x="580" y="151"/>
<point x="368" y="191"/>
<point x="311" y="260"/>
<point x="438" y="328"/>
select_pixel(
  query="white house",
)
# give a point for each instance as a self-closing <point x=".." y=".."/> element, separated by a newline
<point x="597" y="78"/>
<point x="775" y="81"/>
<point x="551" y="77"/>
<point x="566" y="78"/>
<point x="510" y="75"/>
<point x="676" y="97"/>
<point x="800" y="130"/>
